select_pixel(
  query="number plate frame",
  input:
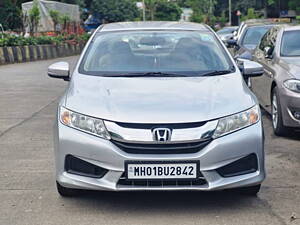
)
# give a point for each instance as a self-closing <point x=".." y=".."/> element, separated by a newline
<point x="163" y="162"/>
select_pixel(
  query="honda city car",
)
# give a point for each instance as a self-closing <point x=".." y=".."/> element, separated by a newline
<point x="157" y="106"/>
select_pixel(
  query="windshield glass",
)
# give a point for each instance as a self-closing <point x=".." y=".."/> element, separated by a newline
<point x="227" y="30"/>
<point x="290" y="45"/>
<point x="253" y="36"/>
<point x="180" y="52"/>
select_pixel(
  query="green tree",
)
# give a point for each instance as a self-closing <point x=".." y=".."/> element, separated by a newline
<point x="203" y="10"/>
<point x="34" y="17"/>
<point x="250" y="14"/>
<point x="151" y="6"/>
<point x="167" y="11"/>
<point x="55" y="16"/>
<point x="65" y="20"/>
<point x="183" y="3"/>
<point x="10" y="15"/>
<point x="294" y="5"/>
<point x="115" y="10"/>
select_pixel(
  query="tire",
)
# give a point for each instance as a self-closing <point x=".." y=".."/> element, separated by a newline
<point x="276" y="112"/>
<point x="250" y="191"/>
<point x="66" y="192"/>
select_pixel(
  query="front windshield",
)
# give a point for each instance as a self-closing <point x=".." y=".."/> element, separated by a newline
<point x="253" y="36"/>
<point x="290" y="45"/>
<point x="180" y="52"/>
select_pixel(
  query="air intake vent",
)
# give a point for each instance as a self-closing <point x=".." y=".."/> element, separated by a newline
<point x="80" y="167"/>
<point x="242" y="166"/>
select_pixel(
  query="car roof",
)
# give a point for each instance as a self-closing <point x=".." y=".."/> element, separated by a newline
<point x="287" y="27"/>
<point x="291" y="27"/>
<point x="266" y="21"/>
<point x="261" y="24"/>
<point x="153" y="25"/>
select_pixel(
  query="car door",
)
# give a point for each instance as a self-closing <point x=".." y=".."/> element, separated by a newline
<point x="261" y="86"/>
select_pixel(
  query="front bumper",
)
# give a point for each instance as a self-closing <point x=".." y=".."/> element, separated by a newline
<point x="290" y="103"/>
<point x="105" y="154"/>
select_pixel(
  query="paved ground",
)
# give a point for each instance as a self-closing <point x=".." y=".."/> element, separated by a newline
<point x="28" y="195"/>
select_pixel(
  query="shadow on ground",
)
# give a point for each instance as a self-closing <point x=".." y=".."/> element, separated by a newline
<point x="176" y="202"/>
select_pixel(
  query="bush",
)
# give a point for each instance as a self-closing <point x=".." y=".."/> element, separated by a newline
<point x="251" y="14"/>
<point x="13" y="40"/>
<point x="167" y="11"/>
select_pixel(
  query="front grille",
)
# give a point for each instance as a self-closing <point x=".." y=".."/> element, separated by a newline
<point x="157" y="148"/>
<point x="162" y="183"/>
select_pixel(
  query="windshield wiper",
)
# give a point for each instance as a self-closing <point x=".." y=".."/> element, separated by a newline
<point x="149" y="74"/>
<point x="217" y="72"/>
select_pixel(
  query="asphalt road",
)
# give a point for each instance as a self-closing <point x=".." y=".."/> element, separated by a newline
<point x="27" y="187"/>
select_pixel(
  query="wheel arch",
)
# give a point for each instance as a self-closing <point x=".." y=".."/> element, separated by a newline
<point x="274" y="84"/>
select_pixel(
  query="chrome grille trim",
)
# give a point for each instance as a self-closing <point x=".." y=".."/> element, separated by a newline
<point x="162" y="148"/>
<point x="125" y="134"/>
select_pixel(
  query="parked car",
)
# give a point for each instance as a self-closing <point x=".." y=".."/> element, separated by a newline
<point x="227" y="33"/>
<point x="249" y="38"/>
<point x="278" y="90"/>
<point x="176" y="116"/>
<point x="243" y="24"/>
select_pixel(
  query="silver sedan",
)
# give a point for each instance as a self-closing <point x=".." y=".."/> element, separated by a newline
<point x="278" y="90"/>
<point x="157" y="106"/>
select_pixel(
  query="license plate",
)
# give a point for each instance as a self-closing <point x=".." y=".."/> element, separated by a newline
<point x="153" y="170"/>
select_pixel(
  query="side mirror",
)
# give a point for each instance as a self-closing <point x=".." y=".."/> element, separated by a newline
<point x="268" y="51"/>
<point x="231" y="43"/>
<point x="59" y="70"/>
<point x="250" y="68"/>
<point x="243" y="56"/>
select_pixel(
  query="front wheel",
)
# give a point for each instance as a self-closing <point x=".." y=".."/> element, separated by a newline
<point x="66" y="192"/>
<point x="277" y="122"/>
<point x="251" y="191"/>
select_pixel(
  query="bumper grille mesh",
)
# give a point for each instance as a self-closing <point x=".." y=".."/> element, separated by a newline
<point x="162" y="183"/>
<point x="170" y="148"/>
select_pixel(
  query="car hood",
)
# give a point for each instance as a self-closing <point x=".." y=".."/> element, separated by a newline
<point x="158" y="100"/>
<point x="292" y="65"/>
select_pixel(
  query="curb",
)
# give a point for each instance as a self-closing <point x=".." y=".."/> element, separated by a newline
<point x="17" y="54"/>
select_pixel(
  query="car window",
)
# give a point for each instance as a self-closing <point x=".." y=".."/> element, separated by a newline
<point x="269" y="39"/>
<point x="226" y="31"/>
<point x="290" y="45"/>
<point x="264" y="41"/>
<point x="188" y="52"/>
<point x="253" y="36"/>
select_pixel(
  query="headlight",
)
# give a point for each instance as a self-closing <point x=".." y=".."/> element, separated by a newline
<point x="237" y="121"/>
<point x="84" y="123"/>
<point x="293" y="85"/>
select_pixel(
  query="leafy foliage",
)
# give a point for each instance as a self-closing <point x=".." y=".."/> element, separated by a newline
<point x="203" y="10"/>
<point x="167" y="11"/>
<point x="250" y="15"/>
<point x="34" y="17"/>
<point x="115" y="10"/>
<point x="10" y="15"/>
<point x="13" y="40"/>
<point x="162" y="10"/>
<point x="55" y="16"/>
